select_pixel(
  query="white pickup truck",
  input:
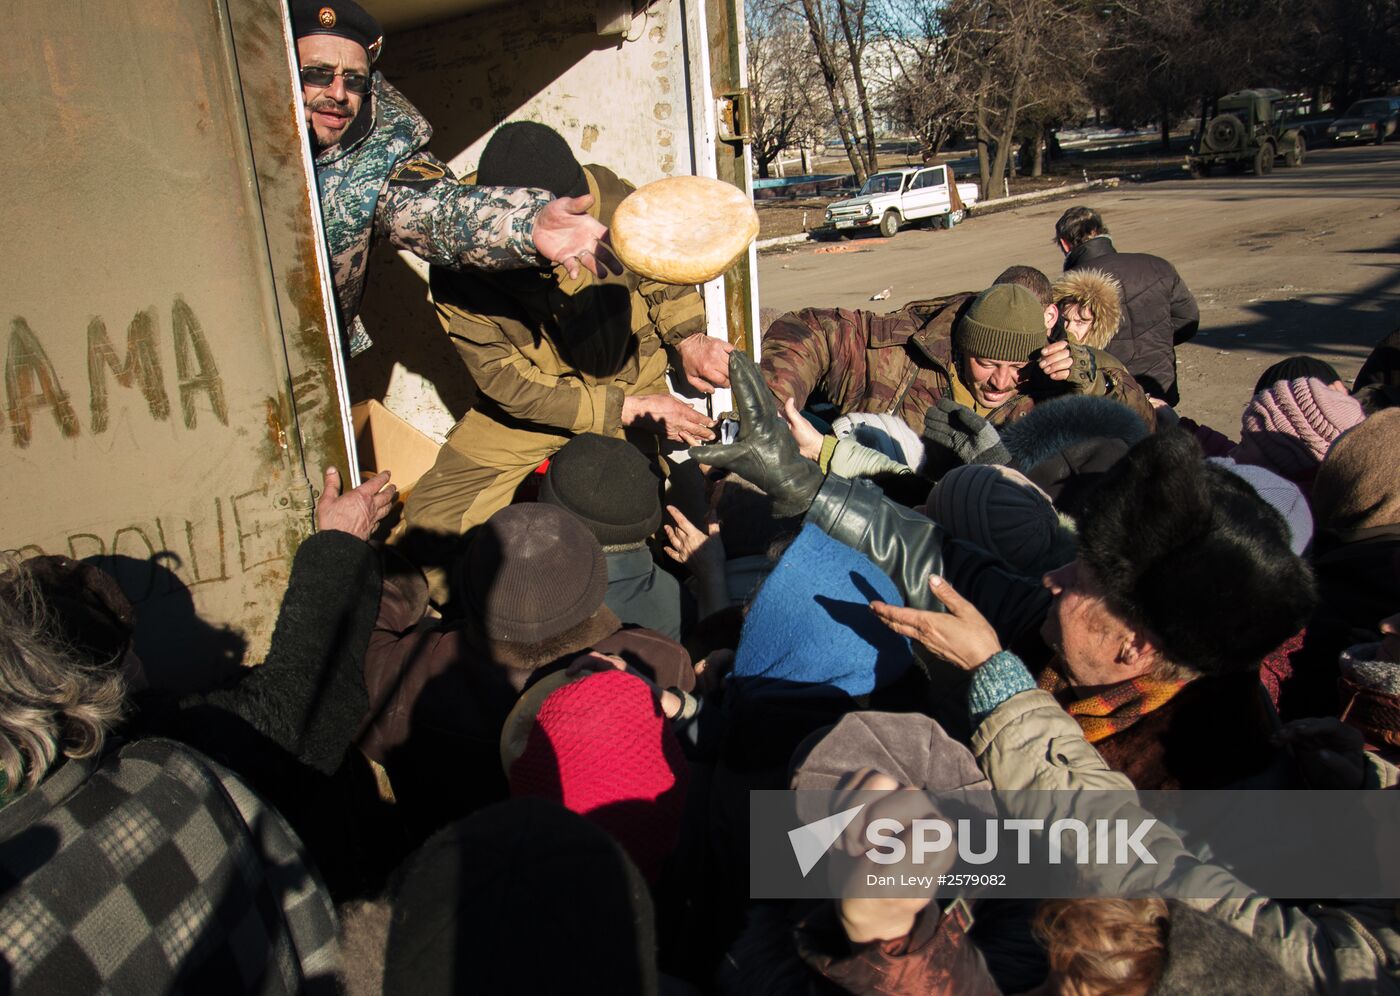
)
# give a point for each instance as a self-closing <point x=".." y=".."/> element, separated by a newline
<point x="893" y="197"/>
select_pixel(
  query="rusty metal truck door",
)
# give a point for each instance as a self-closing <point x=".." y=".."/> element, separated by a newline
<point x="170" y="379"/>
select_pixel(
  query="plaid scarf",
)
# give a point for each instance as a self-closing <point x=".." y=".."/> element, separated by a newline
<point x="1115" y="708"/>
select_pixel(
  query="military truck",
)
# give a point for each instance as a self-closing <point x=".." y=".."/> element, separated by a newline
<point x="175" y="381"/>
<point x="1247" y="130"/>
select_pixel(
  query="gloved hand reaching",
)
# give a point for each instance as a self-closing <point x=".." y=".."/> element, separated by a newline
<point x="765" y="453"/>
<point x="961" y="433"/>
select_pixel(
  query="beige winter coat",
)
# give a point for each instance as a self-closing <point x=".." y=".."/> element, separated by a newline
<point x="1029" y="742"/>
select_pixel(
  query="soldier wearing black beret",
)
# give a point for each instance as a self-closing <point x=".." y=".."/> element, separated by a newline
<point x="374" y="173"/>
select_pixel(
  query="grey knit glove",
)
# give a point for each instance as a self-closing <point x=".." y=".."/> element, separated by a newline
<point x="765" y="452"/>
<point x="961" y="436"/>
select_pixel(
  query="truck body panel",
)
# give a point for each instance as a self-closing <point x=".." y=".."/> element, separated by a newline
<point x="174" y="379"/>
<point x="156" y="309"/>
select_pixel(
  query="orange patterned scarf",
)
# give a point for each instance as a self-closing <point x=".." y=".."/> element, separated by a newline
<point x="1115" y="708"/>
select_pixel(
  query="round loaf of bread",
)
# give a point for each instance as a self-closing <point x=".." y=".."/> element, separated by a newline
<point x="683" y="229"/>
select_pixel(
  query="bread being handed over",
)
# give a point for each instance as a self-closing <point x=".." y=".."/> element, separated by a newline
<point x="683" y="229"/>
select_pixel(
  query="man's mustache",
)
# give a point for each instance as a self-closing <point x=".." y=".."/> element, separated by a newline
<point x="330" y="104"/>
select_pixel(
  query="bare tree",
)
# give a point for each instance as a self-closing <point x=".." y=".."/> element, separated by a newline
<point x="781" y="79"/>
<point x="854" y="18"/>
<point x="923" y="83"/>
<point x="1019" y="51"/>
<point x="834" y="61"/>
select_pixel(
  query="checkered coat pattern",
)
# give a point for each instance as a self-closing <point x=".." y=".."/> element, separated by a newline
<point x="155" y="870"/>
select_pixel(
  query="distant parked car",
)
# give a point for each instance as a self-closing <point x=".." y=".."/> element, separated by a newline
<point x="1371" y="120"/>
<point x="894" y="197"/>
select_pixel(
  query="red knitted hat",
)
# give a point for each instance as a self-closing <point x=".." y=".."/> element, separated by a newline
<point x="601" y="747"/>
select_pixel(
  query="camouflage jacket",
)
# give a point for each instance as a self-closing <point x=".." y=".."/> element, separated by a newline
<point x="864" y="362"/>
<point x="902" y="362"/>
<point x="561" y="353"/>
<point x="379" y="180"/>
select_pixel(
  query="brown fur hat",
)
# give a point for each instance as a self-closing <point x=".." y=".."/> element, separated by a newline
<point x="1100" y="293"/>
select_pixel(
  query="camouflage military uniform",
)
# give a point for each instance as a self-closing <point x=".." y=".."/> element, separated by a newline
<point x="552" y="356"/>
<point x="902" y="362"/>
<point x="380" y="180"/>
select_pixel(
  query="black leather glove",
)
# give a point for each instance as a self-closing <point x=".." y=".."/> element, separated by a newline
<point x="961" y="434"/>
<point x="765" y="452"/>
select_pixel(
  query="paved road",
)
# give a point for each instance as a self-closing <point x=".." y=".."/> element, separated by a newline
<point x="1303" y="261"/>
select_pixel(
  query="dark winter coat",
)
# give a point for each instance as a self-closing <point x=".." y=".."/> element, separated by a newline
<point x="286" y="725"/>
<point x="642" y="594"/>
<point x="440" y="694"/>
<point x="1159" y="312"/>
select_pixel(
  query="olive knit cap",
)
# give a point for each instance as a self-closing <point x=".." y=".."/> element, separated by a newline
<point x="1004" y="323"/>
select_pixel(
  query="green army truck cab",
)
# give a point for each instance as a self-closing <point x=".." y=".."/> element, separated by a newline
<point x="1247" y="130"/>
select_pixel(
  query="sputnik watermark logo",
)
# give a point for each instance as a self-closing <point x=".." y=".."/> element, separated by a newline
<point x="811" y="840"/>
<point x="1038" y="844"/>
<point x="892" y="841"/>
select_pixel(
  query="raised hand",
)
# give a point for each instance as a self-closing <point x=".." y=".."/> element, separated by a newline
<point x="765" y="452"/>
<point x="357" y="511"/>
<point x="960" y="432"/>
<point x="566" y="233"/>
<point x="962" y="636"/>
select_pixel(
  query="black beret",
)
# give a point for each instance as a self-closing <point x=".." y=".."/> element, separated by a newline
<point x="343" y="18"/>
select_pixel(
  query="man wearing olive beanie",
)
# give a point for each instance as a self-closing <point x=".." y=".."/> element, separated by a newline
<point x="1002" y="363"/>
<point x="989" y="353"/>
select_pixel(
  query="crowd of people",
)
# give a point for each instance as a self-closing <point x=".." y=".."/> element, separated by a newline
<point x="546" y="785"/>
<point x="509" y="746"/>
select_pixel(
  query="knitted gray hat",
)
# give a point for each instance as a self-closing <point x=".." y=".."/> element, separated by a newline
<point x="532" y="572"/>
<point x="1002" y="511"/>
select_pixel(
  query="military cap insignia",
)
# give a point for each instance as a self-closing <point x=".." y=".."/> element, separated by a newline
<point x="418" y="173"/>
<point x="327" y="17"/>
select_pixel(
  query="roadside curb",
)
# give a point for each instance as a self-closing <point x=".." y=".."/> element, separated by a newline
<point x="783" y="240"/>
<point x="982" y="207"/>
<point x="1031" y="197"/>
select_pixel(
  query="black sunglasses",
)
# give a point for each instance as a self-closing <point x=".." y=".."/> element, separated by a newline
<point x="324" y="76"/>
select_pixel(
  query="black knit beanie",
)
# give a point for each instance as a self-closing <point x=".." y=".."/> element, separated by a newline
<point x="529" y="154"/>
<point x="532" y="572"/>
<point x="526" y="897"/>
<point x="1295" y="367"/>
<point x="608" y="484"/>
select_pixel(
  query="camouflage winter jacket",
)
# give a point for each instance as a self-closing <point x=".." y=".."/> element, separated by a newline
<point x="864" y="362"/>
<point x="379" y="180"/>
<point x="902" y="362"/>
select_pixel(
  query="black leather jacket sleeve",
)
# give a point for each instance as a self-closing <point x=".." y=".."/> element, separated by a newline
<point x="909" y="547"/>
